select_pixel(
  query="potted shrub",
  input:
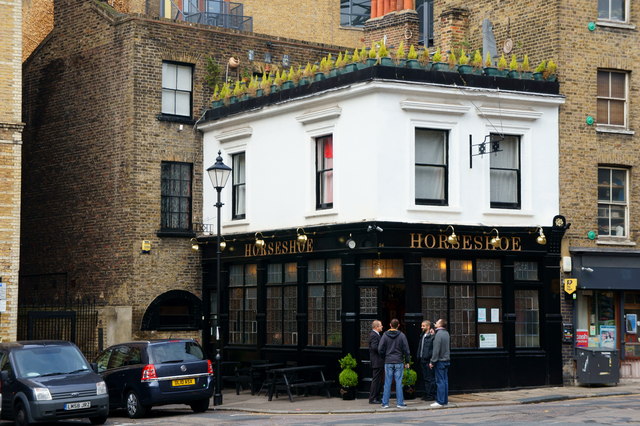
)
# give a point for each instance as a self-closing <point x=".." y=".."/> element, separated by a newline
<point x="357" y="60"/>
<point x="476" y="62"/>
<point x="537" y="73"/>
<point x="409" y="379"/>
<point x="438" y="64"/>
<point x="372" y="55"/>
<point x="216" y="98"/>
<point x="401" y="55"/>
<point x="424" y="59"/>
<point x="550" y="71"/>
<point x="463" y="63"/>
<point x="451" y="62"/>
<point x="225" y="94"/>
<point x="526" y="68"/>
<point x="348" y="378"/>
<point x="349" y="62"/>
<point x="307" y="74"/>
<point x="489" y="69"/>
<point x="287" y="79"/>
<point x="252" y="87"/>
<point x="383" y="54"/>
<point x="514" y="72"/>
<point x="412" y="58"/>
<point x="502" y="66"/>
<point x="265" y="83"/>
<point x="277" y="82"/>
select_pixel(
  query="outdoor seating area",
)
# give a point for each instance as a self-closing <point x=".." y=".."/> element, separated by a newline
<point x="273" y="378"/>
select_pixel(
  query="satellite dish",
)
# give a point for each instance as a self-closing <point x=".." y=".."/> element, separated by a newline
<point x="507" y="47"/>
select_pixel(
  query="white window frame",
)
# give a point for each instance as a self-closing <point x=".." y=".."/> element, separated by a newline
<point x="234" y="198"/>
<point x="625" y="204"/>
<point x="604" y="126"/>
<point x="626" y="9"/>
<point x="519" y="187"/>
<point x="172" y="92"/>
<point x="445" y="166"/>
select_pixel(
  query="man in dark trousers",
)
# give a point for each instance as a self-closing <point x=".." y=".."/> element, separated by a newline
<point x="377" y="363"/>
<point x="394" y="349"/>
<point x="440" y="361"/>
<point x="425" y="350"/>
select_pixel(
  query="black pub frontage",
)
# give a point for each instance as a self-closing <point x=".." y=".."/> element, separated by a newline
<point x="309" y="296"/>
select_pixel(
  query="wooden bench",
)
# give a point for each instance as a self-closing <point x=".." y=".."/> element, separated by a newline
<point x="298" y="378"/>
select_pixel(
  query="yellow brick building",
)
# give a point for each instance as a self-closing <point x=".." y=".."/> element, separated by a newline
<point x="10" y="162"/>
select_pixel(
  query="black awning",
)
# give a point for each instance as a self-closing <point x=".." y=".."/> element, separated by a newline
<point x="606" y="269"/>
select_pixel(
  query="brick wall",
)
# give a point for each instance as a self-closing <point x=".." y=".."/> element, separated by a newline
<point x="396" y="27"/>
<point x="10" y="160"/>
<point x="94" y="147"/>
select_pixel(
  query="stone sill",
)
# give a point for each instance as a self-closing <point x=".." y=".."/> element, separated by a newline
<point x="614" y="130"/>
<point x="615" y="242"/>
<point x="616" y="24"/>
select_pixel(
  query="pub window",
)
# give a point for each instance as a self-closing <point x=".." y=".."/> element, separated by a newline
<point x="612" y="98"/>
<point x="368" y="309"/>
<point x="176" y="88"/>
<point x="431" y="173"/>
<point x="525" y="270"/>
<point x="505" y="174"/>
<point x="612" y="202"/>
<point x="527" y="318"/>
<point x="324" y="172"/>
<point x="282" y="304"/>
<point x="175" y="210"/>
<point x="468" y="295"/>
<point x="324" y="302"/>
<point x="243" y="304"/>
<point x="381" y="268"/>
<point x="238" y="194"/>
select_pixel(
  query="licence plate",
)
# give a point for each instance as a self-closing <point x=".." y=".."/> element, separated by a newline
<point x="77" y="405"/>
<point x="183" y="382"/>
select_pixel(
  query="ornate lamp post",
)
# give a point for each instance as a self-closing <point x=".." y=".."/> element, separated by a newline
<point x="219" y="174"/>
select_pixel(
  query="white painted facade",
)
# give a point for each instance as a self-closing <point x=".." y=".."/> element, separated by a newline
<point x="373" y="126"/>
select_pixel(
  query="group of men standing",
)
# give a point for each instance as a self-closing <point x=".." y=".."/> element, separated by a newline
<point x="390" y="355"/>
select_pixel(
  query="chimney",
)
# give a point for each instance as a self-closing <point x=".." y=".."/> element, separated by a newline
<point x="454" y="26"/>
<point x="393" y="21"/>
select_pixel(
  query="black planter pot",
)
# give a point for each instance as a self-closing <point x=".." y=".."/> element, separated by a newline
<point x="409" y="392"/>
<point x="348" y="394"/>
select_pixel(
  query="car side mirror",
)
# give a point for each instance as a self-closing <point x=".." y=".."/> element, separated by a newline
<point x="4" y="376"/>
<point x="94" y="367"/>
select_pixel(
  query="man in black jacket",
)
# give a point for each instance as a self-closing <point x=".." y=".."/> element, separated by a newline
<point x="425" y="350"/>
<point x="377" y="363"/>
<point x="394" y="349"/>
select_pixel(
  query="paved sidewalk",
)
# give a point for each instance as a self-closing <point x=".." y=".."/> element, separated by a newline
<point x="322" y="405"/>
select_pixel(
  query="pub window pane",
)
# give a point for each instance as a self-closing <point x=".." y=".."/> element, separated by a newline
<point x="462" y="324"/>
<point x="461" y="270"/>
<point x="525" y="271"/>
<point x="242" y="304"/>
<point x="324" y="303"/>
<point x="434" y="302"/>
<point x="433" y="269"/>
<point x="274" y="273"/>
<point x="315" y="270"/>
<point x="368" y="300"/>
<point x="381" y="268"/>
<point x="488" y="270"/>
<point x="527" y="318"/>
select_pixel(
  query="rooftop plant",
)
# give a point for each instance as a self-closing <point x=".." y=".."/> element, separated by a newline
<point x="463" y="59"/>
<point x="477" y="59"/>
<point x="525" y="64"/>
<point x="401" y="53"/>
<point x="437" y="57"/>
<point x="502" y="62"/>
<point x="412" y="53"/>
<point x="513" y="65"/>
<point x="487" y="60"/>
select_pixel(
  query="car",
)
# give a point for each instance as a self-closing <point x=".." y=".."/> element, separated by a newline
<point x="49" y="380"/>
<point x="142" y="374"/>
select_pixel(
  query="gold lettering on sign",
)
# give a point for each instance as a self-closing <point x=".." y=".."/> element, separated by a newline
<point x="465" y="242"/>
<point x="279" y="247"/>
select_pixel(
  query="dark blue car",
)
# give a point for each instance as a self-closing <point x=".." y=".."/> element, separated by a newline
<point x="49" y="380"/>
<point x="143" y="374"/>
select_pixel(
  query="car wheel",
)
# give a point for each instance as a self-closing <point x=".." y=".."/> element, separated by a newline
<point x="100" y="420"/>
<point x="135" y="409"/>
<point x="200" y="406"/>
<point x="20" y="415"/>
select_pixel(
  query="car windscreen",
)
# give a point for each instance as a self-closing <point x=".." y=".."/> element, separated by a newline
<point x="49" y="361"/>
<point x="178" y="351"/>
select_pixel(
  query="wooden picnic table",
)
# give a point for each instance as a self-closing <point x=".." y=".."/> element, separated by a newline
<point x="296" y="378"/>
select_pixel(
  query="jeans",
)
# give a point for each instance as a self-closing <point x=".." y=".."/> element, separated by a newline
<point x="428" y="376"/>
<point x="393" y="372"/>
<point x="442" y="382"/>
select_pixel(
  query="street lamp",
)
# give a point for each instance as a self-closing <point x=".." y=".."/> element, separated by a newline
<point x="219" y="174"/>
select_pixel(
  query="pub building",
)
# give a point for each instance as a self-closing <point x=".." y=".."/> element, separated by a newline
<point x="389" y="193"/>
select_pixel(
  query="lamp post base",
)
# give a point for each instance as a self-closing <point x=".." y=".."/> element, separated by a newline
<point x="217" y="396"/>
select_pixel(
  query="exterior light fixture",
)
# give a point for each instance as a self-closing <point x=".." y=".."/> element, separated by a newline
<point x="377" y="267"/>
<point x="259" y="240"/>
<point x="350" y="243"/>
<point x="453" y="238"/>
<point x="302" y="237"/>
<point x="223" y="244"/>
<point x="194" y="244"/>
<point x="219" y="174"/>
<point x="541" y="238"/>
<point x="495" y="241"/>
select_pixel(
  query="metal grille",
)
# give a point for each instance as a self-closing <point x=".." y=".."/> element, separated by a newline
<point x="72" y="320"/>
<point x="66" y="395"/>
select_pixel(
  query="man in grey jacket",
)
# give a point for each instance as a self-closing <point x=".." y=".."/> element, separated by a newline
<point x="394" y="349"/>
<point x="440" y="360"/>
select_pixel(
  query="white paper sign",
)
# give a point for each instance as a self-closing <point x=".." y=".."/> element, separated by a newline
<point x="495" y="314"/>
<point x="482" y="315"/>
<point x="489" y="340"/>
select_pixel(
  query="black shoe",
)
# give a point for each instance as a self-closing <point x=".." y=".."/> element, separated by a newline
<point x="375" y="401"/>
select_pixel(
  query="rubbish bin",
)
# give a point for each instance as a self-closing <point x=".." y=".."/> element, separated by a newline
<point x="598" y="366"/>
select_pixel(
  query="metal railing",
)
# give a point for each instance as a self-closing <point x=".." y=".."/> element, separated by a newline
<point x="216" y="13"/>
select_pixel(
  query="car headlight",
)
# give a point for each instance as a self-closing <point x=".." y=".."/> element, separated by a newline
<point x="42" y="394"/>
<point x="101" y="388"/>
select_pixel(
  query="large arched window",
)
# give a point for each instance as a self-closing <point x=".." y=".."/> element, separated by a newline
<point x="173" y="310"/>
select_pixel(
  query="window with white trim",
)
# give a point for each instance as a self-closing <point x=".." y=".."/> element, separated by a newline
<point x="177" y="88"/>
<point x="612" y="10"/>
<point x="431" y="168"/>
<point x="238" y="195"/>
<point x="505" y="174"/>
<point x="612" y="98"/>
<point x="324" y="172"/>
<point x="613" y="204"/>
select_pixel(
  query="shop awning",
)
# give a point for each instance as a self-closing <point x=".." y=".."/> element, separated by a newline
<point x="606" y="269"/>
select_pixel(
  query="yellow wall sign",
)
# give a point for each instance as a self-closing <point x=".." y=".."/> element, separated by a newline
<point x="570" y="285"/>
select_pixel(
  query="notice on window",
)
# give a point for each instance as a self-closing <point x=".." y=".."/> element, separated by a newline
<point x="489" y="340"/>
<point x="608" y="336"/>
<point x="582" y="338"/>
<point x="495" y="315"/>
<point x="482" y="314"/>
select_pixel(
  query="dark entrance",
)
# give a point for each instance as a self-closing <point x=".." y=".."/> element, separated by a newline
<point x="392" y="304"/>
